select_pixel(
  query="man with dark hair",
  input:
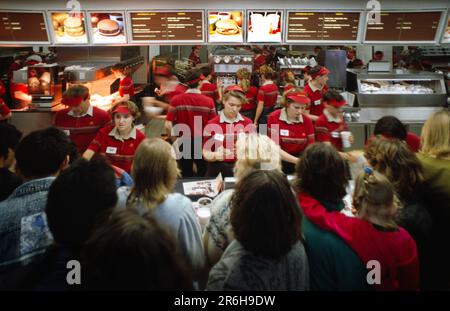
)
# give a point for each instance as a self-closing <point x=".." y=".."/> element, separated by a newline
<point x="79" y="198"/>
<point x="391" y="127"/>
<point x="9" y="181"/>
<point x="40" y="157"/>
<point x="186" y="109"/>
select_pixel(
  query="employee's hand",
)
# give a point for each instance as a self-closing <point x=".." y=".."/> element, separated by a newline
<point x="351" y="139"/>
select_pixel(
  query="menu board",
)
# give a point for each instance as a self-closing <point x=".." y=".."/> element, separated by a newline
<point x="167" y="26"/>
<point x="264" y="26"/>
<point x="68" y="28"/>
<point x="107" y="27"/>
<point x="23" y="27"/>
<point x="226" y="26"/>
<point x="446" y="38"/>
<point x="322" y="26"/>
<point x="406" y="27"/>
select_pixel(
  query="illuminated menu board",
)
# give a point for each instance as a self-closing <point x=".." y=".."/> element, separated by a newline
<point x="167" y="26"/>
<point x="406" y="26"/>
<point x="322" y="26"/>
<point x="23" y="27"/>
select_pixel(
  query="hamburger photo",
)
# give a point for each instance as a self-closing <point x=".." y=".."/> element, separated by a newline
<point x="73" y="26"/>
<point x="227" y="27"/>
<point x="108" y="27"/>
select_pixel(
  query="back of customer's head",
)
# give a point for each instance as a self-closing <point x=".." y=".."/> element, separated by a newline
<point x="322" y="173"/>
<point x="43" y="153"/>
<point x="394" y="159"/>
<point x="10" y="138"/>
<point x="267" y="219"/>
<point x="435" y="139"/>
<point x="374" y="198"/>
<point x="255" y="151"/>
<point x="390" y="127"/>
<point x="154" y="172"/>
<point x="133" y="252"/>
<point x="78" y="198"/>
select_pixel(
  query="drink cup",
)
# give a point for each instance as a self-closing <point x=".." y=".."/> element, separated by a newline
<point x="203" y="214"/>
<point x="345" y="135"/>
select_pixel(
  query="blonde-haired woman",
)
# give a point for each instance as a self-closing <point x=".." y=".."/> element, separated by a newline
<point x="435" y="158"/>
<point x="254" y="152"/>
<point x="155" y="173"/>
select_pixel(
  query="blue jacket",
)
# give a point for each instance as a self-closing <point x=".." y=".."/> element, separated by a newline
<point x="23" y="225"/>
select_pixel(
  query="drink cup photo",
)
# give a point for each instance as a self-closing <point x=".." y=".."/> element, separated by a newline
<point x="345" y="135"/>
<point x="273" y="20"/>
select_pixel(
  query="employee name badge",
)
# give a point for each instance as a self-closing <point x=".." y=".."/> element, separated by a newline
<point x="284" y="132"/>
<point x="219" y="137"/>
<point x="317" y="102"/>
<point x="111" y="150"/>
<point x="241" y="135"/>
<point x="335" y="134"/>
<point x="67" y="132"/>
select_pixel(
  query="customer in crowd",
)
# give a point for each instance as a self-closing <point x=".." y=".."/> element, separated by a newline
<point x="267" y="95"/>
<point x="315" y="89"/>
<point x="118" y="142"/>
<point x="373" y="233"/>
<point x="81" y="121"/>
<point x="80" y="197"/>
<point x="253" y="152"/>
<point x="154" y="173"/>
<point x="334" y="266"/>
<point x="268" y="252"/>
<point x="251" y="92"/>
<point x="10" y="138"/>
<point x="435" y="158"/>
<point x="24" y="233"/>
<point x="290" y="127"/>
<point x="191" y="111"/>
<point x="394" y="159"/>
<point x="222" y="131"/>
<point x="391" y="127"/>
<point x="133" y="252"/>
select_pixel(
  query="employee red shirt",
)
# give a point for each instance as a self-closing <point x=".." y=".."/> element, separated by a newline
<point x="292" y="137"/>
<point x="17" y="87"/>
<point x="413" y="141"/>
<point x="315" y="96"/>
<point x="126" y="86"/>
<point x="268" y="93"/>
<point x="4" y="109"/>
<point x="82" y="130"/>
<point x="120" y="153"/>
<point x="288" y="87"/>
<point x="251" y="95"/>
<point x="2" y="88"/>
<point x="394" y="250"/>
<point x="190" y="106"/>
<point x="13" y="67"/>
<point x="327" y="130"/>
<point x="177" y="90"/>
<point x="209" y="89"/>
<point x="228" y="134"/>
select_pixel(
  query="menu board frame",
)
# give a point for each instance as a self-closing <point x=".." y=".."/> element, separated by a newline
<point x="15" y="43"/>
<point x="358" y="36"/>
<point x="163" y="42"/>
<point x="282" y="23"/>
<point x="444" y="28"/>
<point x="53" y="34"/>
<point x="436" y="39"/>
<point x="244" y="26"/>
<point x="91" y="30"/>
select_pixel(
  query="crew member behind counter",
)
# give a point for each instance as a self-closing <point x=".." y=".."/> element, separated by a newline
<point x="81" y="121"/>
<point x="221" y="133"/>
<point x="118" y="142"/>
<point x="291" y="127"/>
<point x="315" y="89"/>
<point x="126" y="85"/>
<point x="267" y="95"/>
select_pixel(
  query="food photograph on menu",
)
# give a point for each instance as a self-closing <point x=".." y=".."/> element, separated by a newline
<point x="446" y="38"/>
<point x="107" y="27"/>
<point x="226" y="26"/>
<point x="264" y="26"/>
<point x="68" y="27"/>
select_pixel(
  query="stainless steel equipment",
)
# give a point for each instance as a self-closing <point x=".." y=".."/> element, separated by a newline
<point x="229" y="60"/>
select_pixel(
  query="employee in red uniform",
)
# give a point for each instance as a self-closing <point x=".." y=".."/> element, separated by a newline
<point x="18" y="63"/>
<point x="221" y="133"/>
<point x="195" y="55"/>
<point x="251" y="92"/>
<point x="126" y="85"/>
<point x="290" y="127"/>
<point x="80" y="121"/>
<point x="169" y="86"/>
<point x="330" y="125"/>
<point x="118" y="142"/>
<point x="315" y="89"/>
<point x="288" y="78"/>
<point x="267" y="95"/>
<point x="208" y="88"/>
<point x="190" y="111"/>
<point x="5" y="113"/>
<point x="19" y="91"/>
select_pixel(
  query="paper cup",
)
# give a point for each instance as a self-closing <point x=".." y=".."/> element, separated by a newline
<point x="345" y="135"/>
<point x="203" y="214"/>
